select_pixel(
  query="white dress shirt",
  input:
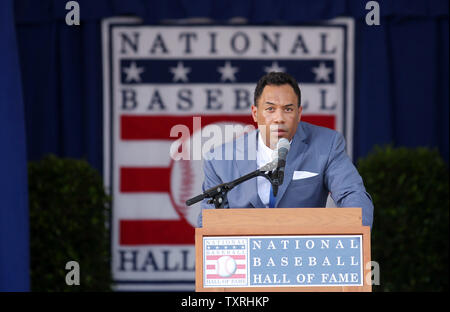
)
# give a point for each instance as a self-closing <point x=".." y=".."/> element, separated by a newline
<point x="263" y="156"/>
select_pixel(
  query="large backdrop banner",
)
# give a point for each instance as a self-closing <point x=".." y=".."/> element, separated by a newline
<point x="158" y="79"/>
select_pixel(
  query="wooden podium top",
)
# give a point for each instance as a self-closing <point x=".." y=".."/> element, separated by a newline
<point x="239" y="220"/>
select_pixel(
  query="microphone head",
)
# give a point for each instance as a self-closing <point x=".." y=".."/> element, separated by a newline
<point x="283" y="143"/>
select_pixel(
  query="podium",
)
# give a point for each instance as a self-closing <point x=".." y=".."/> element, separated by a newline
<point x="283" y="249"/>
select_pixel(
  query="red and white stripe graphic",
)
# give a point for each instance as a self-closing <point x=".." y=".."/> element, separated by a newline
<point x="226" y="266"/>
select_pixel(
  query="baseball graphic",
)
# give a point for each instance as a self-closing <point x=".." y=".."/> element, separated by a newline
<point x="226" y="266"/>
<point x="187" y="175"/>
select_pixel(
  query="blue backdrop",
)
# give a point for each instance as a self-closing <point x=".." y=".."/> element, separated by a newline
<point x="51" y="84"/>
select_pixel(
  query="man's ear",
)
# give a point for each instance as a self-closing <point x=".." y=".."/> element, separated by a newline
<point x="300" y="109"/>
<point x="254" y="113"/>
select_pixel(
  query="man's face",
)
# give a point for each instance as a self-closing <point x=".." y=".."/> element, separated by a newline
<point x="277" y="113"/>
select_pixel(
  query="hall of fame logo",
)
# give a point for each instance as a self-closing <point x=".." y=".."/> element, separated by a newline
<point x="225" y="262"/>
<point x="203" y="78"/>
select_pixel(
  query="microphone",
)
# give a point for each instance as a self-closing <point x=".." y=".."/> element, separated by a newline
<point x="218" y="193"/>
<point x="283" y="147"/>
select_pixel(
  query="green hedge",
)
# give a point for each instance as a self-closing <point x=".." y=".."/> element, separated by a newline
<point x="69" y="211"/>
<point x="410" y="192"/>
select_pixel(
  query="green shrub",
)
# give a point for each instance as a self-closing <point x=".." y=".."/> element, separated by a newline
<point x="69" y="211"/>
<point x="410" y="192"/>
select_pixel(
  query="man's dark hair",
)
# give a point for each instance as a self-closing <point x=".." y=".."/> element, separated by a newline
<point x="277" y="79"/>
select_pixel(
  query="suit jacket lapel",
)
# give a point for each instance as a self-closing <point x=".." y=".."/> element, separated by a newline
<point x="294" y="158"/>
<point x="246" y="163"/>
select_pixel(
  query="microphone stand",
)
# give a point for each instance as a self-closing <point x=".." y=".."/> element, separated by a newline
<point x="218" y="193"/>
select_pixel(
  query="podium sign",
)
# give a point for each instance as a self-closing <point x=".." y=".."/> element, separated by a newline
<point x="263" y="261"/>
<point x="283" y="257"/>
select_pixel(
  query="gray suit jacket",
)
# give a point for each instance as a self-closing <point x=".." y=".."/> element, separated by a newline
<point x="314" y="149"/>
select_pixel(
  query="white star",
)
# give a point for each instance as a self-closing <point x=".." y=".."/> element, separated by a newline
<point x="228" y="72"/>
<point x="133" y="72"/>
<point x="180" y="72"/>
<point x="322" y="72"/>
<point x="274" y="68"/>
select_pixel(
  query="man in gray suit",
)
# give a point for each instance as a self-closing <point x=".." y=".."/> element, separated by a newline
<point x="316" y="164"/>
